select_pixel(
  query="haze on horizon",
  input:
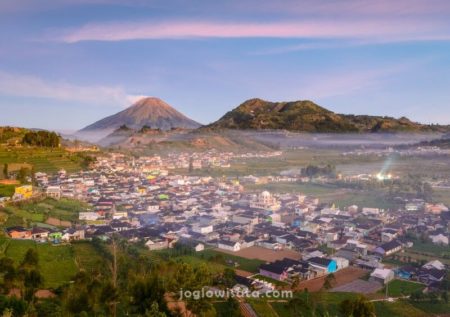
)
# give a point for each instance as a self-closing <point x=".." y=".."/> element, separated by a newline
<point x="67" y="63"/>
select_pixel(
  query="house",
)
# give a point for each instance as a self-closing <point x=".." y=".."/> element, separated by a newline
<point x="435" y="209"/>
<point x="278" y="270"/>
<point x="341" y="263"/>
<point x="248" y="241"/>
<point x="72" y="234"/>
<point x="432" y="275"/>
<point x="202" y="229"/>
<point x="388" y="248"/>
<point x="383" y="276"/>
<point x="229" y="245"/>
<point x="23" y="192"/>
<point x="19" y="232"/>
<point x="88" y="216"/>
<point x="436" y="264"/>
<point x="329" y="265"/>
<point x="53" y="192"/>
<point x="439" y="239"/>
<point x="157" y="244"/>
<point x="39" y="233"/>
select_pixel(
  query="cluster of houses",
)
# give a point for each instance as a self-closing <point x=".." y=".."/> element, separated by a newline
<point x="139" y="200"/>
<point x="41" y="234"/>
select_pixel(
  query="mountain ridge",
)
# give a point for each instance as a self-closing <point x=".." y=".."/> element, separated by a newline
<point x="307" y="116"/>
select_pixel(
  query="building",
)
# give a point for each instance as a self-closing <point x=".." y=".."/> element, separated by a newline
<point x="53" y="192"/>
<point x="19" y="232"/>
<point x="329" y="265"/>
<point x="229" y="245"/>
<point x="439" y="239"/>
<point x="23" y="192"/>
<point x="383" y="276"/>
<point x="265" y="201"/>
<point x="388" y="248"/>
<point x="157" y="244"/>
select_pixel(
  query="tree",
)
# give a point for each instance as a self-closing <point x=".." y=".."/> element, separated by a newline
<point x="229" y="276"/>
<point x="5" y="171"/>
<point x="22" y="175"/>
<point x="231" y="308"/>
<point x="444" y="296"/>
<point x="330" y="280"/>
<point x="31" y="258"/>
<point x="144" y="292"/>
<point x="358" y="307"/>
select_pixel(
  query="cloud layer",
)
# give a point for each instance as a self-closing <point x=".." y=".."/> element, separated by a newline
<point x="32" y="86"/>
<point x="375" y="29"/>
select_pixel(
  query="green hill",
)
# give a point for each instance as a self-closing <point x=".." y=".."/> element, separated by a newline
<point x="39" y="150"/>
<point x="306" y="116"/>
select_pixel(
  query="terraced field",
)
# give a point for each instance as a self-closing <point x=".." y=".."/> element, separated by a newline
<point x="42" y="159"/>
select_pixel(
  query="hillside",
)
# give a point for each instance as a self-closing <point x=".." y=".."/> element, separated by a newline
<point x="151" y="112"/>
<point x="306" y="116"/>
<point x="148" y="140"/>
<point x="43" y="151"/>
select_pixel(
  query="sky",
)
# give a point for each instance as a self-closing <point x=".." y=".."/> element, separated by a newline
<point x="67" y="63"/>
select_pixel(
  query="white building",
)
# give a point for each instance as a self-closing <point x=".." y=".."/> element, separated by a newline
<point x="202" y="229"/>
<point x="382" y="275"/>
<point x="89" y="216"/>
<point x="229" y="245"/>
<point x="439" y="239"/>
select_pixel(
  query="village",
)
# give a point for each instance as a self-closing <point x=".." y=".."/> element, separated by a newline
<point x="296" y="237"/>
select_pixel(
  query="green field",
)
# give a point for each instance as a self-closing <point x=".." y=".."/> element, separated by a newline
<point x="6" y="190"/>
<point x="341" y="197"/>
<point x="42" y="159"/>
<point x="55" y="262"/>
<point x="399" y="308"/>
<point x="27" y="214"/>
<point x="398" y="288"/>
<point x="329" y="302"/>
<point x="85" y="256"/>
<point x="431" y="248"/>
<point x="441" y="196"/>
<point x="213" y="257"/>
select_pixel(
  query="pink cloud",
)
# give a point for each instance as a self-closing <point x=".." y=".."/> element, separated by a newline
<point x="320" y="28"/>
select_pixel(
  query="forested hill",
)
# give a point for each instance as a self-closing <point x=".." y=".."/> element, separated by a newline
<point x="306" y="116"/>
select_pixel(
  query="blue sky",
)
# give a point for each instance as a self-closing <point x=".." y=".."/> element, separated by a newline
<point x="67" y="63"/>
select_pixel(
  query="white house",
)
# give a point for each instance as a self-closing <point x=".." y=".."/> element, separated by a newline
<point x="88" y="215"/>
<point x="382" y="275"/>
<point x="436" y="264"/>
<point x="202" y="229"/>
<point x="229" y="245"/>
<point x="53" y="192"/>
<point x="439" y="239"/>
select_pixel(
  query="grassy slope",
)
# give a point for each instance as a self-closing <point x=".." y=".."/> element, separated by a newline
<point x="58" y="264"/>
<point x="42" y="159"/>
<point x="29" y="213"/>
<point x="329" y="302"/>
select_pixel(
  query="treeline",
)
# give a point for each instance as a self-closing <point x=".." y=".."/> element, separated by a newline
<point x="314" y="171"/>
<point x="124" y="283"/>
<point x="41" y="138"/>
